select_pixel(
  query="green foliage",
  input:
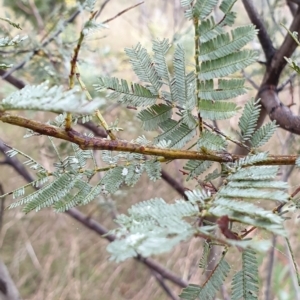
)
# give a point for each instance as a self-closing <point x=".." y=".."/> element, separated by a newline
<point x="226" y="65"/>
<point x="217" y="110"/>
<point x="178" y="133"/>
<point x="293" y="65"/>
<point x="201" y="8"/>
<point x="263" y="134"/>
<point x="136" y="96"/>
<point x="225" y="43"/>
<point x="196" y="168"/>
<point x="291" y="62"/>
<point x="89" y="5"/>
<point x="226" y="89"/>
<point x="211" y="141"/>
<point x="205" y="255"/>
<point x="177" y="104"/>
<point x="154" y="115"/>
<point x="46" y="197"/>
<point x="143" y="67"/>
<point x="211" y="286"/>
<point x="4" y="42"/>
<point x="180" y="81"/>
<point x="113" y="179"/>
<point x="249" y="119"/>
<point x="245" y="283"/>
<point x="220" y="56"/>
<point x="44" y="98"/>
<point x="70" y="182"/>
<point x="152" y="227"/>
<point x="91" y="27"/>
<point x="251" y="159"/>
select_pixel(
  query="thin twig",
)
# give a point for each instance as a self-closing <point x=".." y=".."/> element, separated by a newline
<point x="13" y="80"/>
<point x="37" y="15"/>
<point x="44" y="44"/>
<point x="285" y="83"/>
<point x="292" y="262"/>
<point x="101" y="8"/>
<point x="2" y="202"/>
<point x="73" y="65"/>
<point x="101" y="133"/>
<point x="122" y="12"/>
<point x="163" y="154"/>
<point x="250" y="80"/>
<point x="164" y="286"/>
<point x="278" y="27"/>
<point x="296" y="192"/>
<point x="269" y="268"/>
<point x="217" y="130"/>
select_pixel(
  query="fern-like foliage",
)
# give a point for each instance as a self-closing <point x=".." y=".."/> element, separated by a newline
<point x="44" y="98"/>
<point x="211" y="286"/>
<point x="220" y="56"/>
<point x="174" y="102"/>
<point x="226" y="89"/>
<point x="136" y="95"/>
<point x="6" y="41"/>
<point x="152" y="227"/>
<point x="205" y="255"/>
<point x="244" y="282"/>
<point x="211" y="141"/>
<point x="154" y="74"/>
<point x="247" y="124"/>
<point x="177" y="132"/>
<point x="263" y="134"/>
<point x="249" y="119"/>
<point x="196" y="168"/>
<point x="165" y="94"/>
<point x="69" y="184"/>
<point x="245" y="183"/>
<point x="45" y="197"/>
<point x="157" y="218"/>
<point x="155" y="115"/>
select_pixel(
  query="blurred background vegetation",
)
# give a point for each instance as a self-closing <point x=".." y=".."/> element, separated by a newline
<point x="51" y="256"/>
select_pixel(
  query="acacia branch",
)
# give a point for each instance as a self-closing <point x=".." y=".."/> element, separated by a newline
<point x="102" y="133"/>
<point x="96" y="143"/>
<point x="164" y="286"/>
<point x="271" y="104"/>
<point x="279" y="112"/>
<point x="263" y="35"/>
<point x="286" y="49"/>
<point x="12" y="80"/>
<point x="122" y="12"/>
<point x="164" y="175"/>
<point x="269" y="99"/>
